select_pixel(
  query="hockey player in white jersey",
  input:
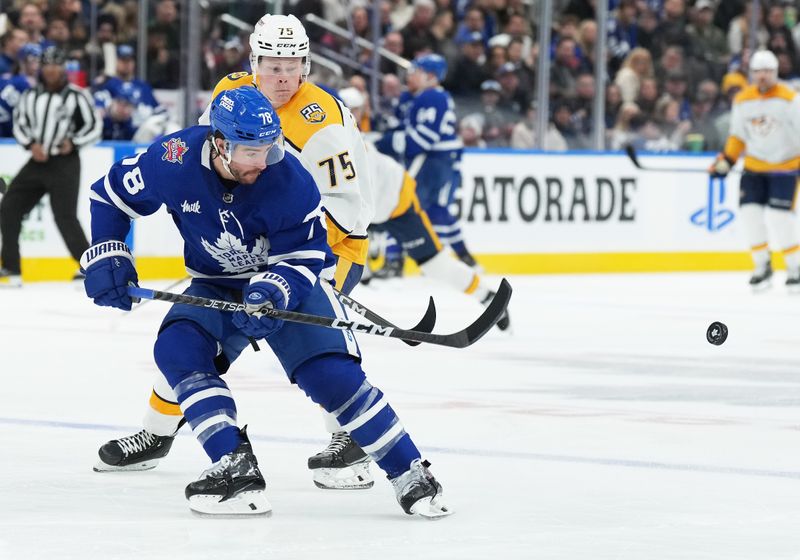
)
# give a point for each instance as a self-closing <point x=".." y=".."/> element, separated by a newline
<point x="322" y="134"/>
<point x="398" y="211"/>
<point x="765" y="127"/>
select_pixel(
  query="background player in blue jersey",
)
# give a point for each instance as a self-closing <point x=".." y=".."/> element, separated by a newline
<point x="430" y="147"/>
<point x="13" y="85"/>
<point x="254" y="231"/>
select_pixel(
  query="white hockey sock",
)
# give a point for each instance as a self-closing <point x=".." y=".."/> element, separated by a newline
<point x="783" y="223"/>
<point x="755" y="229"/>
<point x="331" y="424"/>
<point x="163" y="414"/>
<point x="451" y="271"/>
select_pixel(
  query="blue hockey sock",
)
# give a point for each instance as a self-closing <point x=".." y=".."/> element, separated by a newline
<point x="393" y="250"/>
<point x="338" y="384"/>
<point x="460" y="248"/>
<point x="185" y="355"/>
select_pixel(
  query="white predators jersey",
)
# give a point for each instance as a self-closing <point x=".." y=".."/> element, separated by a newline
<point x="388" y="180"/>
<point x="766" y="126"/>
<point x="322" y="133"/>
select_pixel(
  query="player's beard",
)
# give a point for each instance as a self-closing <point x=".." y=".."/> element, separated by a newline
<point x="248" y="176"/>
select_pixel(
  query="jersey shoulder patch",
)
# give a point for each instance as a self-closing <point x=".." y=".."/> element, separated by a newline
<point x="309" y="111"/>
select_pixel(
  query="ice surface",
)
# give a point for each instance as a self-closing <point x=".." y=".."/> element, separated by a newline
<point x="606" y="427"/>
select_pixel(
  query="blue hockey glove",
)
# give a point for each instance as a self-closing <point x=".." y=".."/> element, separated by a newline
<point x="109" y="270"/>
<point x="265" y="290"/>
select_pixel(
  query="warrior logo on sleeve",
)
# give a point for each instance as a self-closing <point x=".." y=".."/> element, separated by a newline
<point x="231" y="252"/>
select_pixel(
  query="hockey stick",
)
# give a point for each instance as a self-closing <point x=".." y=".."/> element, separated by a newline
<point x="631" y="152"/>
<point x="425" y="324"/>
<point x="459" y="339"/>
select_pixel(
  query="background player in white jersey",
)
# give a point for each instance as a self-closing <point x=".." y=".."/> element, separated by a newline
<point x="765" y="126"/>
<point x="398" y="211"/>
<point x="260" y="238"/>
<point x="322" y="134"/>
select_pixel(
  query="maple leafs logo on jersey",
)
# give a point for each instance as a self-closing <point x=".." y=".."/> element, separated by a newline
<point x="175" y="150"/>
<point x="231" y="252"/>
<point x="313" y="113"/>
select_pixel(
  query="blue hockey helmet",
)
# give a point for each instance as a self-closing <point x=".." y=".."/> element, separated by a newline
<point x="244" y="116"/>
<point x="29" y="49"/>
<point x="432" y="63"/>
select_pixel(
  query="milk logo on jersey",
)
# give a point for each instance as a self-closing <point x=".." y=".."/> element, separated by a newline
<point x="231" y="252"/>
<point x="193" y="207"/>
<point x="313" y="113"/>
<point x="175" y="149"/>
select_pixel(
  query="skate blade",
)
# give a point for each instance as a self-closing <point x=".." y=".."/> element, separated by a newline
<point x="431" y="508"/>
<point x="143" y="466"/>
<point x="246" y="504"/>
<point x="354" y="477"/>
<point x="761" y="287"/>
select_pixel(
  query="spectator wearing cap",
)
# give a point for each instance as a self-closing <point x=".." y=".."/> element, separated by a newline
<point x="513" y="96"/>
<point x="10" y="44"/>
<point x="468" y="73"/>
<point x="707" y="41"/>
<point x="732" y="84"/>
<point x="29" y="63"/>
<point x="496" y="121"/>
<point x="13" y="85"/>
<point x="53" y="120"/>
<point x="637" y="66"/>
<point x="149" y="114"/>
<point x="623" y="33"/>
<point x="417" y="36"/>
<point x="470" y="130"/>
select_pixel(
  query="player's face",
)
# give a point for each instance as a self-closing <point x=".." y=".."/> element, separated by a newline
<point x="415" y="79"/>
<point x="765" y="79"/>
<point x="247" y="163"/>
<point x="279" y="78"/>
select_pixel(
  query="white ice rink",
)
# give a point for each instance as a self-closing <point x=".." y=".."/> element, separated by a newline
<point x="606" y="427"/>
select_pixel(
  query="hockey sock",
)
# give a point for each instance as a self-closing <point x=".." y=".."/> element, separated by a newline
<point x="393" y="250"/>
<point x="755" y="229"/>
<point x="185" y="355"/>
<point x="338" y="384"/>
<point x="445" y="268"/>
<point x="783" y="223"/>
<point x="163" y="414"/>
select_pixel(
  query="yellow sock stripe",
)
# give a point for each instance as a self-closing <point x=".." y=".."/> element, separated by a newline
<point x="790" y="250"/>
<point x="164" y="407"/>
<point x="760" y="247"/>
<point x="473" y="285"/>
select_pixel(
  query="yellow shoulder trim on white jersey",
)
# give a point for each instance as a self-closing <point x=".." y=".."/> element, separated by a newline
<point x="308" y="111"/>
<point x="778" y="91"/>
<point x="233" y="81"/>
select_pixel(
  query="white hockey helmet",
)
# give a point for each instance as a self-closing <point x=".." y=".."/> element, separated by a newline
<point x="352" y="98"/>
<point x="763" y="60"/>
<point x="282" y="37"/>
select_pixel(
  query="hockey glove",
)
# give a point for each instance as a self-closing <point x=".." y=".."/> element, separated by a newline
<point x="109" y="270"/>
<point x="268" y="290"/>
<point x="721" y="166"/>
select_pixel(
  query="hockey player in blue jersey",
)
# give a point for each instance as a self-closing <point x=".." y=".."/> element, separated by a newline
<point x="430" y="147"/>
<point x="254" y="231"/>
<point x="13" y="85"/>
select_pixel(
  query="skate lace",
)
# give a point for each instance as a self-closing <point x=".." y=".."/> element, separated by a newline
<point x="137" y="442"/>
<point x="218" y="469"/>
<point x="339" y="441"/>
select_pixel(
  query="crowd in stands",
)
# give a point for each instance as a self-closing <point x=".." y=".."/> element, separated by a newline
<point x="674" y="66"/>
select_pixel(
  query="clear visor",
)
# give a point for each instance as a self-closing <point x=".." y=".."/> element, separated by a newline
<point x="256" y="154"/>
<point x="270" y="66"/>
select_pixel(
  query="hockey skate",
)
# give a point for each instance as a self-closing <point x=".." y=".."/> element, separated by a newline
<point x="233" y="486"/>
<point x="419" y="493"/>
<point x="140" y="452"/>
<point x="505" y="321"/>
<point x="342" y="465"/>
<point x="793" y="281"/>
<point x="761" y="278"/>
<point x="10" y="279"/>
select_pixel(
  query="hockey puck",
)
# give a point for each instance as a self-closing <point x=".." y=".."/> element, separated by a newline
<point x="717" y="333"/>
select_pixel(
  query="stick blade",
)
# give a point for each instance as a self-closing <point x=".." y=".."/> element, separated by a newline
<point x="631" y="151"/>
<point x="490" y="316"/>
<point x="425" y="324"/>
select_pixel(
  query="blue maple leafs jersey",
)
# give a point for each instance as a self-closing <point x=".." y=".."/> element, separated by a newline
<point x="430" y="124"/>
<point x="140" y="93"/>
<point x="230" y="234"/>
<point x="11" y="89"/>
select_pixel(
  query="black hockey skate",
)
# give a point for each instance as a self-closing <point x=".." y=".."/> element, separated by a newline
<point x="231" y="486"/>
<point x="139" y="452"/>
<point x="505" y="321"/>
<point x="10" y="279"/>
<point x="419" y="493"/>
<point x="793" y="281"/>
<point x="392" y="268"/>
<point x="342" y="465"/>
<point x="761" y="278"/>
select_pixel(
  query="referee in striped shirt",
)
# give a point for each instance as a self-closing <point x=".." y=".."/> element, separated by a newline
<point x="53" y="120"/>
